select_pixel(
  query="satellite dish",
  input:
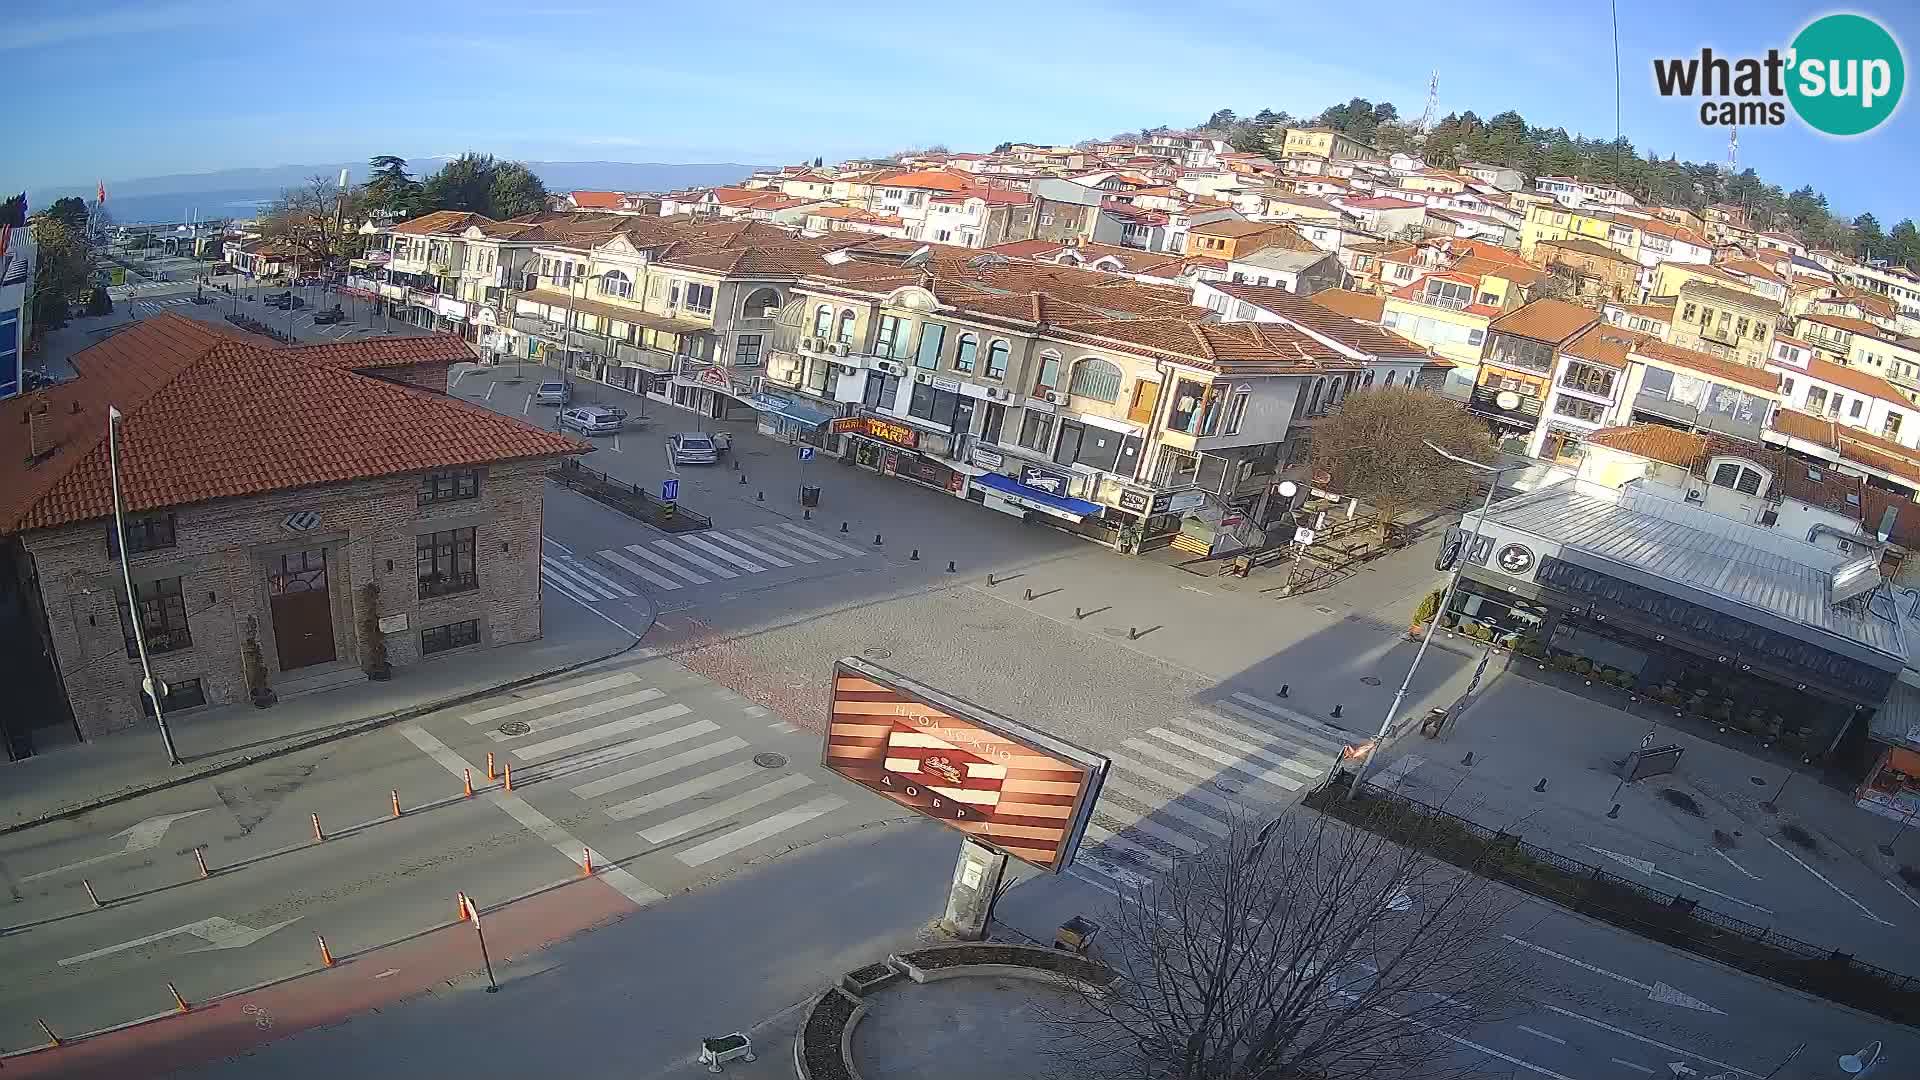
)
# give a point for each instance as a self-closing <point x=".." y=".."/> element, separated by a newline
<point x="919" y="257"/>
<point x="1288" y="489"/>
<point x="1507" y="400"/>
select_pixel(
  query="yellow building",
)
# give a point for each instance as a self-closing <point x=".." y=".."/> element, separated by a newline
<point x="1326" y="144"/>
<point x="1670" y="277"/>
<point x="1551" y="221"/>
<point x="1723" y="322"/>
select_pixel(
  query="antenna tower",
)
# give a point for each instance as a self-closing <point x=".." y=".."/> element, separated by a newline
<point x="1431" y="116"/>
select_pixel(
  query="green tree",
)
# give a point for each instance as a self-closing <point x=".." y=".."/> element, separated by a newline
<point x="1375" y="449"/>
<point x="63" y="271"/>
<point x="14" y="211"/>
<point x="390" y="189"/>
<point x="71" y="212"/>
<point x="1867" y="237"/>
<point x="483" y="184"/>
<point x="1219" y="121"/>
<point x="1903" y="244"/>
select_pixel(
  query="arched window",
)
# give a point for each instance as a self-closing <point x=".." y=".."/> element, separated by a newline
<point x="1095" y="378"/>
<point x="615" y="283"/>
<point x="761" y="304"/>
<point x="997" y="360"/>
<point x="822" y="321"/>
<point x="1049" y="376"/>
<point x="1369" y="379"/>
<point x="963" y="353"/>
<point x="1390" y="376"/>
<point x="1313" y="403"/>
<point x="845" y="336"/>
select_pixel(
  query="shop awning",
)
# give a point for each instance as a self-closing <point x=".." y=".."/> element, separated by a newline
<point x="792" y="410"/>
<point x="1019" y="494"/>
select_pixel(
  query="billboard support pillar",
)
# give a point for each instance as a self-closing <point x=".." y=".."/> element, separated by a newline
<point x="976" y="882"/>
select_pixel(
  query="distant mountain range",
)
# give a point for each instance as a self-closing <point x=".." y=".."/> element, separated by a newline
<point x="241" y="192"/>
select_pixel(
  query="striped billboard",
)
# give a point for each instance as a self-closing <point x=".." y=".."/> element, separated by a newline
<point x="1014" y="789"/>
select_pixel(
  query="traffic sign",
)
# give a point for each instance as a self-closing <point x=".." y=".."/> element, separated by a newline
<point x="806" y="453"/>
<point x="670" y="489"/>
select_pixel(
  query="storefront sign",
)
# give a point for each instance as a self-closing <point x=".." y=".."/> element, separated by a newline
<point x="451" y="308"/>
<point x="394" y="624"/>
<point x="847" y="426"/>
<point x="875" y="428"/>
<point x="715" y="377"/>
<point x="1052" y="483"/>
<point x="1135" y="501"/>
<point x="1515" y="559"/>
<point x="927" y="471"/>
<point x="950" y="385"/>
<point x="987" y="458"/>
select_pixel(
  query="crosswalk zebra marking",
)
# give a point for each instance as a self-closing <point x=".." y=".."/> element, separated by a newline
<point x="749" y="549"/>
<point x="1144" y="823"/>
<point x="1308" y="742"/>
<point x="1227" y="761"/>
<point x="637" y="570"/>
<point x="773" y="533"/>
<point x="1297" y="719"/>
<point x="620" y="751"/>
<point x="779" y="546"/>
<point x="730" y="842"/>
<point x="595" y="734"/>
<point x="817" y="540"/>
<point x="1113" y="841"/>
<point x="668" y="565"/>
<point x="552" y="697"/>
<point x="1185" y="789"/>
<point x="695" y="558"/>
<point x="1156" y="803"/>
<point x="643" y="773"/>
<point x="1255" y="752"/>
<point x="579" y="713"/>
<point x="570" y="582"/>
<point x="717" y="551"/>
<point x="686" y="789"/>
<point x="725" y="808"/>
<point x="572" y="591"/>
<point x="598" y="578"/>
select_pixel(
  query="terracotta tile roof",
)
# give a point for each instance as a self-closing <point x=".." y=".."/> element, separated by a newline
<point x="1882" y="454"/>
<point x="1844" y="322"/>
<point x="1367" y="307"/>
<point x="368" y="354"/>
<point x="1552" y="321"/>
<point x="1806" y="427"/>
<point x="1712" y="366"/>
<point x="441" y="223"/>
<point x="1753" y="268"/>
<point x="1025" y="249"/>
<point x="1655" y="441"/>
<point x="1854" y="379"/>
<point x="1657" y="312"/>
<point x="1382" y="202"/>
<point x="597" y="200"/>
<point x="1584" y="246"/>
<point x="1671" y="231"/>
<point x="1233" y="227"/>
<point x="931" y="179"/>
<point x="1724" y="296"/>
<point x="1244" y="348"/>
<point x="208" y="416"/>
<point x="1603" y="343"/>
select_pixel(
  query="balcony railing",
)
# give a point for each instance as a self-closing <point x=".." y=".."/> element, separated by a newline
<point x="636" y="356"/>
<point x="535" y="326"/>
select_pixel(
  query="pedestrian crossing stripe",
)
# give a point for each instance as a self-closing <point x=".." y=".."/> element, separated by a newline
<point x="672" y="564"/>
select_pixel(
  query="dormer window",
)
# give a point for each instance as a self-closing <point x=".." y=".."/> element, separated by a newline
<point x="1742" y="476"/>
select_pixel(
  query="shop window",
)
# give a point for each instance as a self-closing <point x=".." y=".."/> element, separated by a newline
<point x="882" y="390"/>
<point x="845" y="335"/>
<point x="183" y="694"/>
<point x="163" y="617"/>
<point x="928" y="403"/>
<point x="440" y="639"/>
<point x="446" y="563"/>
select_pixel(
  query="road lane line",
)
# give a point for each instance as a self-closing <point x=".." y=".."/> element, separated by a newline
<point x="725" y="808"/>
<point x="695" y="558"/>
<point x="1735" y="865"/>
<point x="1647" y="867"/>
<point x="564" y="549"/>
<point x="553" y="697"/>
<point x="643" y="773"/>
<point x="1537" y="1033"/>
<point x="1631" y="1065"/>
<point x="570" y="590"/>
<point x="581" y="738"/>
<point x="748" y="565"/>
<point x="1185" y="789"/>
<point x="637" y="570"/>
<point x="729" y="842"/>
<point x="1902" y="892"/>
<point x="1254" y="751"/>
<point x="536" y="822"/>
<point x="1828" y="884"/>
<point x="1305" y="747"/>
<point x="1126" y="788"/>
<point x="668" y="565"/>
<point x="527" y="406"/>
<point x="490" y="388"/>
<point x="1669" y="1047"/>
<point x="1105" y="837"/>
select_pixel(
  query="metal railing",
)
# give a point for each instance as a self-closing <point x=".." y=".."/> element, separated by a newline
<point x="630" y="499"/>
<point x="1675" y="920"/>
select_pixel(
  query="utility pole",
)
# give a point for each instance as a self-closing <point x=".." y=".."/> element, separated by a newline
<point x="152" y="689"/>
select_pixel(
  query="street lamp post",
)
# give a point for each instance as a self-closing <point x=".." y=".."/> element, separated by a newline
<point x="147" y="684"/>
<point x="1453" y="580"/>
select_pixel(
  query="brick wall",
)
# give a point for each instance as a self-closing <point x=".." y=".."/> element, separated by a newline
<point x="222" y="554"/>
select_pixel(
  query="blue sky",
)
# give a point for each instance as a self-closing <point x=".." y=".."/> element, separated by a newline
<point x="162" y="86"/>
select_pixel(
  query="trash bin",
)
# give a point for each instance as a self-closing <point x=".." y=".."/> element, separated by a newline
<point x="809" y="495"/>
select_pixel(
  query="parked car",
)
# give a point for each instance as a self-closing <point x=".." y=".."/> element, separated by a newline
<point x="692" y="448"/>
<point x="593" y="419"/>
<point x="553" y="393"/>
<point x="330" y="315"/>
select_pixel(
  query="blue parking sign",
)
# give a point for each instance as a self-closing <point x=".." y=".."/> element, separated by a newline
<point x="806" y="453"/>
<point x="670" y="489"/>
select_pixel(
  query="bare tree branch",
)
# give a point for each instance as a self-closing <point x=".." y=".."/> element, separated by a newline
<point x="1374" y="448"/>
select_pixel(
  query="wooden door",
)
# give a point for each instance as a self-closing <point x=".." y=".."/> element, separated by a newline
<point x="302" y="609"/>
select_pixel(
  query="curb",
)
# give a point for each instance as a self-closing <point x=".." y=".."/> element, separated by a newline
<point x="298" y="743"/>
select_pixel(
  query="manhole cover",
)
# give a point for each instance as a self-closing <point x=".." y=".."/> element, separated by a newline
<point x="515" y="727"/>
<point x="1757" y="781"/>
<point x="1370" y="680"/>
<point x="769" y="761"/>
<point x="1227" y="786"/>
<point x="877" y="652"/>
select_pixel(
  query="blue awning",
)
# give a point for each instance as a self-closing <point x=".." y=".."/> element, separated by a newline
<point x="792" y="410"/>
<point x="1033" y="499"/>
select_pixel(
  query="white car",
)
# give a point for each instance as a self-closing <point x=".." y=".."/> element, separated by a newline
<point x="553" y="393"/>
<point x="693" y="448"/>
<point x="593" y="419"/>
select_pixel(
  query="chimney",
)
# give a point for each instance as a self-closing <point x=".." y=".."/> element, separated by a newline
<point x="39" y="431"/>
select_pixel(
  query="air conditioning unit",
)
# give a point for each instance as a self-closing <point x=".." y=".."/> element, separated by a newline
<point x="840" y="348"/>
<point x="807" y="344"/>
<point x="890" y="367"/>
<point x="1055" y="397"/>
<point x="923" y="376"/>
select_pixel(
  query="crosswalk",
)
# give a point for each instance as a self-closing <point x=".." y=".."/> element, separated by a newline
<point x="689" y="559"/>
<point x="1179" y="786"/>
<point x="151" y="306"/>
<point x="652" y="765"/>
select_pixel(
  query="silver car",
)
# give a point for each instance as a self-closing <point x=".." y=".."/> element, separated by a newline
<point x="553" y="393"/>
<point x="692" y="448"/>
<point x="593" y="419"/>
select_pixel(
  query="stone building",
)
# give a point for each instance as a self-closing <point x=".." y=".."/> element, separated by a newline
<point x="272" y="495"/>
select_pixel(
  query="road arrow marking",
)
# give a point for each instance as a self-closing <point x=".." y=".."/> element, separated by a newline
<point x="1648" y="868"/>
<point x="1680" y="1068"/>
<point x="1656" y="991"/>
<point x="140" y="837"/>
<point x="219" y="933"/>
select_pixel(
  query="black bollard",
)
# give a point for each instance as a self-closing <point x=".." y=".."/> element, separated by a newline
<point x="743" y="479"/>
<point x="1468" y="760"/>
<point x="915" y="557"/>
<point x="843" y="526"/>
<point x="1029" y="594"/>
<point x="1283" y="689"/>
<point x="1336" y="711"/>
<point x="1615" y="812"/>
<point x="950" y="568"/>
<point x="806" y="515"/>
<point x="736" y="466"/>
<point x="1542" y="785"/>
<point x="760" y="497"/>
<point x="876" y="539"/>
